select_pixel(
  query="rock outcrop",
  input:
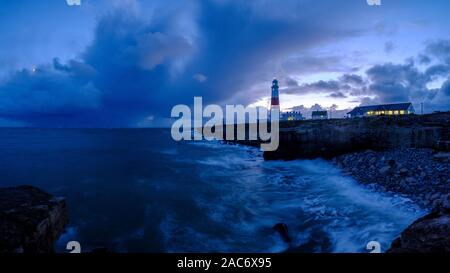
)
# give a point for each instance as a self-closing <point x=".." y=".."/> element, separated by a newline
<point x="30" y="220"/>
<point x="429" y="234"/>
<point x="282" y="229"/>
<point x="330" y="138"/>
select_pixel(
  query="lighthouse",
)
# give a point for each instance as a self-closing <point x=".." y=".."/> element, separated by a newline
<point x="275" y="102"/>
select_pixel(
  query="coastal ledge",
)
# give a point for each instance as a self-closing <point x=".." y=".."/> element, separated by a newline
<point x="429" y="234"/>
<point x="30" y="220"/>
<point x="330" y="138"/>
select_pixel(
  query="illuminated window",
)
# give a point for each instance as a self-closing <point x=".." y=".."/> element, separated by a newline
<point x="396" y="112"/>
<point x="402" y="112"/>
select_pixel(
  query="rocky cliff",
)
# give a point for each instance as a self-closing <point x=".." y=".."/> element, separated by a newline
<point x="330" y="138"/>
<point x="429" y="234"/>
<point x="30" y="220"/>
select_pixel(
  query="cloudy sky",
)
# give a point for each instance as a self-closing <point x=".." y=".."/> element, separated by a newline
<point x="111" y="63"/>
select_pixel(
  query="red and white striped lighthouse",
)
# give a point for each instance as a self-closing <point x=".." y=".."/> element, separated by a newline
<point x="275" y="102"/>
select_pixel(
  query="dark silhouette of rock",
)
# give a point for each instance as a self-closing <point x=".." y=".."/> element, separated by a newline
<point x="318" y="242"/>
<point x="30" y="220"/>
<point x="392" y="163"/>
<point x="282" y="229"/>
<point x="429" y="234"/>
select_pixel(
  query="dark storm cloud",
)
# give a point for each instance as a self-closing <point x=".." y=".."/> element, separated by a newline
<point x="135" y="67"/>
<point x="438" y="70"/>
<point x="388" y="47"/>
<point x="134" y="62"/>
<point x="309" y="64"/>
<point x="347" y="83"/>
<point x="446" y="88"/>
<point x="389" y="83"/>
<point x="290" y="82"/>
<point x="320" y="86"/>
<point x="424" y="59"/>
<point x="46" y="91"/>
<point x="439" y="49"/>
<point x="394" y="82"/>
<point x="337" y="95"/>
<point x="119" y="79"/>
<point x="256" y="38"/>
<point x="352" y="79"/>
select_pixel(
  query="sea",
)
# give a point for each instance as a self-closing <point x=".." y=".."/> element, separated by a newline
<point x="137" y="190"/>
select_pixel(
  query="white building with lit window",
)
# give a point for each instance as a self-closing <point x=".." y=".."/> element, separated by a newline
<point x="382" y="110"/>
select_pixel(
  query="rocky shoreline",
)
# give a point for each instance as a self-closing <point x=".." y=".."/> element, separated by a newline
<point x="419" y="174"/>
<point x="407" y="155"/>
<point x="30" y="220"/>
<point x="429" y="234"/>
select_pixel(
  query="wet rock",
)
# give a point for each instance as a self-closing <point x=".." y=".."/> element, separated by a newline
<point x="416" y="173"/>
<point x="282" y="229"/>
<point x="444" y="203"/>
<point x="429" y="234"/>
<point x="410" y="180"/>
<point x="391" y="163"/>
<point x="384" y="170"/>
<point x="441" y="156"/>
<point x="30" y="220"/>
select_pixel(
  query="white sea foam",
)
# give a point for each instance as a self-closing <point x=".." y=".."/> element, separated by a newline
<point x="307" y="195"/>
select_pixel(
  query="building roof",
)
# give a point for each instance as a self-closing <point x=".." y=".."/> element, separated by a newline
<point x="381" y="107"/>
<point x="319" y="113"/>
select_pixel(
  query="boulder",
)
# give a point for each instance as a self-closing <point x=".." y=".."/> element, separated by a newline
<point x="442" y="157"/>
<point x="282" y="229"/>
<point x="384" y="170"/>
<point x="410" y="180"/>
<point x="30" y="220"/>
<point x="429" y="234"/>
<point x="403" y="171"/>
